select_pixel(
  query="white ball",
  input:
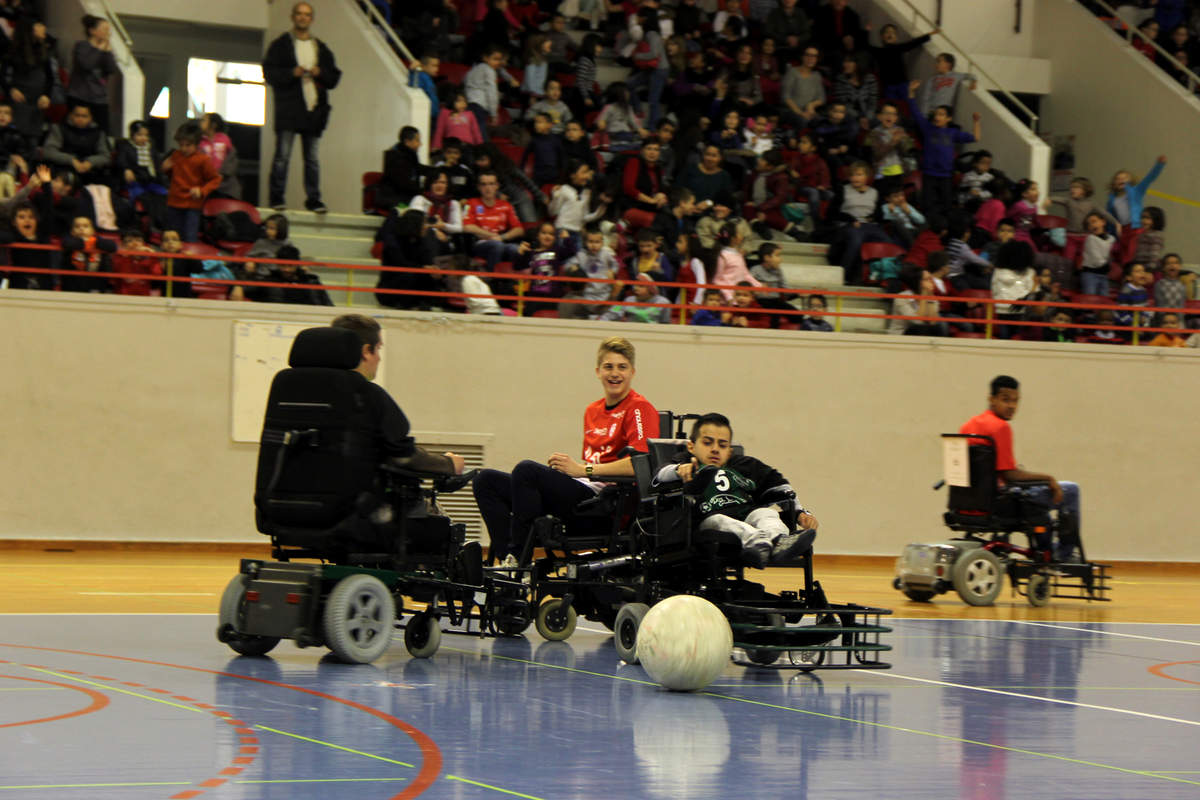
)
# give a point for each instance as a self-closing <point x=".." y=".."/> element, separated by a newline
<point x="684" y="643"/>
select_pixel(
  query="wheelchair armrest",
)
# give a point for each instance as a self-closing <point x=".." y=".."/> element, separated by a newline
<point x="1027" y="483"/>
<point x="452" y="483"/>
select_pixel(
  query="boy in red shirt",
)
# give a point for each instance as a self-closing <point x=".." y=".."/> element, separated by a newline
<point x="128" y="261"/>
<point x="509" y="503"/>
<point x="193" y="178"/>
<point x="493" y="223"/>
<point x="1048" y="492"/>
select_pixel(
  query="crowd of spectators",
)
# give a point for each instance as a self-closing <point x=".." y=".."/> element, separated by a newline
<point x="1173" y="25"/>
<point x="715" y="136"/>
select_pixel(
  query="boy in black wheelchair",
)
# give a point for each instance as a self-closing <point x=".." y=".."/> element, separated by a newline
<point x="739" y="494"/>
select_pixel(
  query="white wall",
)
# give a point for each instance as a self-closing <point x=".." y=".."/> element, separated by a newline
<point x="117" y="415"/>
<point x="1123" y="111"/>
<point x="370" y="106"/>
<point x="981" y="26"/>
<point x="1018" y="151"/>
<point x="234" y="13"/>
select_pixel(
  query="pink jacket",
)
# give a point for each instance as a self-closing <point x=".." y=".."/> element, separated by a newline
<point x="732" y="270"/>
<point x="461" y="125"/>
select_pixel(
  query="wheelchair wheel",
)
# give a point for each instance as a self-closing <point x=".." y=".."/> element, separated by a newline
<point x="918" y="595"/>
<point x="555" y="620"/>
<point x="1037" y="590"/>
<point x="359" y="617"/>
<point x="625" y="629"/>
<point x="422" y="635"/>
<point x="761" y="656"/>
<point x="808" y="660"/>
<point x="978" y="577"/>
<point x="231" y="605"/>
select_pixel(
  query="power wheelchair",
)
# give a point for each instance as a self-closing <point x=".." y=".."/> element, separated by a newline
<point x="654" y="550"/>
<point x="370" y="534"/>
<point x="974" y="564"/>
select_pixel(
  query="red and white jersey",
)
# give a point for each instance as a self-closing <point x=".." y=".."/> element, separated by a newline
<point x="608" y="431"/>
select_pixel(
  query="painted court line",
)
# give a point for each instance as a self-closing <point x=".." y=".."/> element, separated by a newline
<point x="1038" y="698"/>
<point x="1101" y="632"/>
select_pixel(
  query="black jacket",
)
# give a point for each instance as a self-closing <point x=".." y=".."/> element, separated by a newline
<point x="126" y="158"/>
<point x="291" y="113"/>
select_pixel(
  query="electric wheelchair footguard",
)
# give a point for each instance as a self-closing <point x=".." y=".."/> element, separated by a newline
<point x="371" y="536"/>
<point x="653" y="550"/>
<point x="975" y="563"/>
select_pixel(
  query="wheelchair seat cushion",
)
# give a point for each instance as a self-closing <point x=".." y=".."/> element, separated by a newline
<point x="332" y="348"/>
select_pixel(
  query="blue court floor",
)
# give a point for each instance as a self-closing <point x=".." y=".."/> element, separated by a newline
<point x="152" y="706"/>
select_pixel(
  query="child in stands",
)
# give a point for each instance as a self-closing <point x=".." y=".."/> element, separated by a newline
<point x="708" y="315"/>
<point x="769" y="190"/>
<point x="1097" y="253"/>
<point x="86" y="253"/>
<point x="643" y="291"/>
<point x="1134" y="295"/>
<point x="854" y="211"/>
<point x="26" y="229"/>
<point x="1023" y="212"/>
<point x="1150" y="242"/>
<point x="648" y="260"/>
<point x="976" y="183"/>
<point x="597" y="262"/>
<point x="1126" y="194"/>
<point x="941" y="89"/>
<point x="1078" y="204"/>
<point x="462" y="179"/>
<point x="937" y="159"/>
<point x="890" y="145"/>
<point x="815" y="322"/>
<point x="748" y="314"/>
<point x="811" y="173"/>
<point x="127" y="261"/>
<point x="837" y="134"/>
<point x="544" y="259"/>
<point x="214" y="141"/>
<point x="552" y="106"/>
<point x="572" y="205"/>
<point x="455" y="120"/>
<point x="15" y="153"/>
<point x="537" y="66"/>
<point x="576" y="146"/>
<point x="1172" y="321"/>
<point x="546" y="151"/>
<point x="905" y="220"/>
<point x="1169" y="290"/>
<point x="739" y="495"/>
<point x="193" y="178"/>
<point x="731" y="267"/>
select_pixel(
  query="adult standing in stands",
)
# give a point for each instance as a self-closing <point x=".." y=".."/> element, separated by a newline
<point x="92" y="62"/>
<point x="31" y="75"/>
<point x="301" y="70"/>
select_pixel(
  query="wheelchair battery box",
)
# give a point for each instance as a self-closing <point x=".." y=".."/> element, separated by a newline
<point x="926" y="564"/>
<point x="279" y="599"/>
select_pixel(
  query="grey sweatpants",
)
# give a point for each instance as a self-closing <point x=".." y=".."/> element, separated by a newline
<point x="760" y="529"/>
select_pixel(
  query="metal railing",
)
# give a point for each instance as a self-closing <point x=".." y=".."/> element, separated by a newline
<point x="519" y="294"/>
<point x="1121" y="26"/>
<point x="980" y="71"/>
<point x="374" y="17"/>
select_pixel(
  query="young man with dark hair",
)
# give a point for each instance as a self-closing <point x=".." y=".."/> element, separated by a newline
<point x="493" y="222"/>
<point x="1003" y="398"/>
<point x="738" y="494"/>
<point x="388" y="421"/>
<point x="402" y="169"/>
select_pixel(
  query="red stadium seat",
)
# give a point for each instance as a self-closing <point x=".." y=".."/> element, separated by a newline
<point x="454" y="73"/>
<point x="370" y="190"/>
<point x="873" y="251"/>
<point x="227" y="205"/>
<point x="1050" y="221"/>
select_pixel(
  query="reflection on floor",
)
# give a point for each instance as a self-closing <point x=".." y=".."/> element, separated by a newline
<point x="151" y="706"/>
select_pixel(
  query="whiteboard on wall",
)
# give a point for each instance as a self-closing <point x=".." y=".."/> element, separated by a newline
<point x="260" y="350"/>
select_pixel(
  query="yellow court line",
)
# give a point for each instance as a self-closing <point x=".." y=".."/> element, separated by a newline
<point x="881" y="725"/>
<point x="1173" y="198"/>
<point x="336" y="746"/>
<point x="111" y="688"/>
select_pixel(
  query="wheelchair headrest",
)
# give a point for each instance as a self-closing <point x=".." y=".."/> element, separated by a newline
<point x="333" y="348"/>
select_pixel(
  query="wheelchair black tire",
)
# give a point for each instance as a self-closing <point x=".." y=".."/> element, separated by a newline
<point x="625" y="629"/>
<point x="243" y="644"/>
<point x="1038" y="590"/>
<point x="918" y="595"/>
<point x="556" y="620"/>
<point x="422" y="635"/>
<point x="359" y="617"/>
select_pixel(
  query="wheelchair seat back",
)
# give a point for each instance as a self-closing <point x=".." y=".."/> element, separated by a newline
<point x="318" y="451"/>
<point x="979" y="498"/>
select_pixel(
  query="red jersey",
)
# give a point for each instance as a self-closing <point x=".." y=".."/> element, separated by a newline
<point x="496" y="218"/>
<point x="608" y="431"/>
<point x="989" y="424"/>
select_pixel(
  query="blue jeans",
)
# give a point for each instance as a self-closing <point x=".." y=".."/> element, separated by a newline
<point x="1093" y="283"/>
<point x="493" y="251"/>
<point x="655" y="80"/>
<point x="283" y="156"/>
<point x="1042" y="496"/>
<point x="184" y="220"/>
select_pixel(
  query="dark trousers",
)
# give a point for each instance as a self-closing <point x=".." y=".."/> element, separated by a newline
<point x="937" y="194"/>
<point x="509" y="503"/>
<point x="283" y="156"/>
<point x="185" y="222"/>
